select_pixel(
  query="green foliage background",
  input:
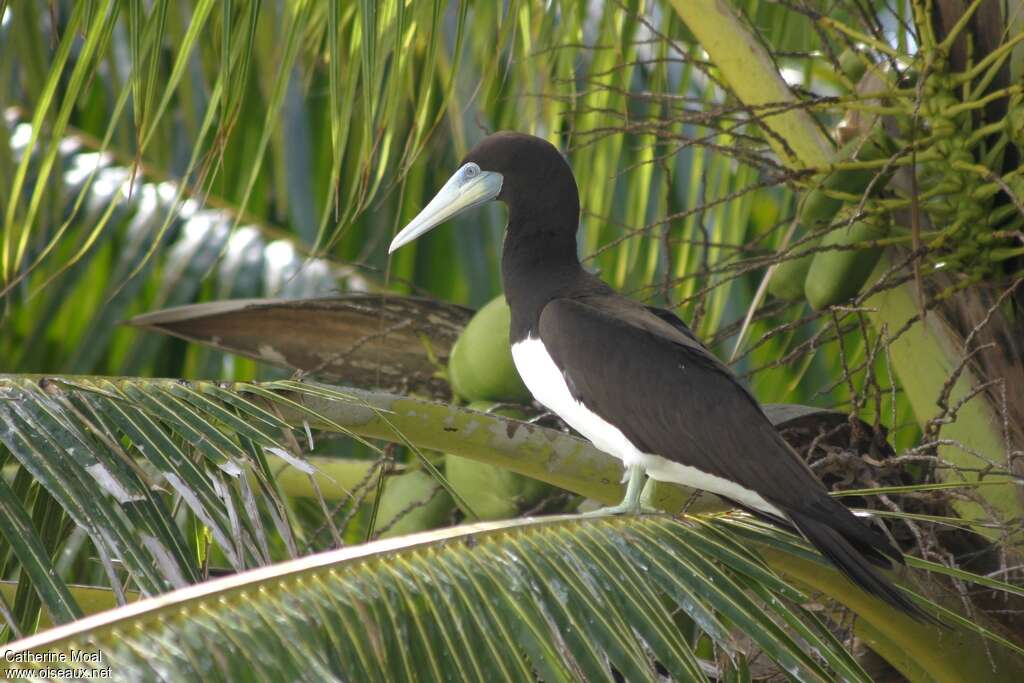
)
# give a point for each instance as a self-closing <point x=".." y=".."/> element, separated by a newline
<point x="164" y="153"/>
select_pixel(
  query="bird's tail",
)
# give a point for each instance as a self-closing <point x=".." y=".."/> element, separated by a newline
<point x="853" y="547"/>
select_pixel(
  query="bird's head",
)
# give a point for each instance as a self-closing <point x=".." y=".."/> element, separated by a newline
<point x="515" y="168"/>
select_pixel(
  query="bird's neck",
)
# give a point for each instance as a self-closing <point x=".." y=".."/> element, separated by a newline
<point x="539" y="261"/>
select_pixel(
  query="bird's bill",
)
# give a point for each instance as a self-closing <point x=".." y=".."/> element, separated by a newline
<point x="458" y="194"/>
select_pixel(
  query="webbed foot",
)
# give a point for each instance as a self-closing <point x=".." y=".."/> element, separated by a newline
<point x="635" y="501"/>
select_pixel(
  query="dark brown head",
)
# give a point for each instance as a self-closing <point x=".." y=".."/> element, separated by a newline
<point x="525" y="172"/>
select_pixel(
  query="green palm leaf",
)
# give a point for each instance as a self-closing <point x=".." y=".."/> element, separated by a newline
<point x="566" y="598"/>
<point x="333" y="122"/>
<point x="152" y="444"/>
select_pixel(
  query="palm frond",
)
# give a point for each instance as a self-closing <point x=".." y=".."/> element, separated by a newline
<point x="564" y="599"/>
<point x="150" y="445"/>
<point x="151" y="145"/>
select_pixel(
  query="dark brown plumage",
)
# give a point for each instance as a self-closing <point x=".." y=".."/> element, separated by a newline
<point x="640" y="370"/>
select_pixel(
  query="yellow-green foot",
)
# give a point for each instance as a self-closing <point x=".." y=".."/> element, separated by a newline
<point x="635" y="501"/>
<point x="621" y="509"/>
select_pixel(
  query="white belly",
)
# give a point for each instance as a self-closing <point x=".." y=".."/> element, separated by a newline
<point x="545" y="381"/>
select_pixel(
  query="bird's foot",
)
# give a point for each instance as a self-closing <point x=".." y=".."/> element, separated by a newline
<point x="635" y="502"/>
<point x="621" y="509"/>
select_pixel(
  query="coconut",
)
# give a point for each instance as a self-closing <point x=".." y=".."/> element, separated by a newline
<point x="494" y="492"/>
<point x="412" y="488"/>
<point x="481" y="367"/>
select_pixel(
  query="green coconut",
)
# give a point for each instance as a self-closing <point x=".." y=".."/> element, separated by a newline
<point x="494" y="492"/>
<point x="481" y="367"/>
<point x="836" y="275"/>
<point x="819" y="208"/>
<point x="412" y="488"/>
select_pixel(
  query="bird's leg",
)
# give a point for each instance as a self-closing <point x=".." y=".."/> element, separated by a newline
<point x="631" y="504"/>
<point x="647" y="496"/>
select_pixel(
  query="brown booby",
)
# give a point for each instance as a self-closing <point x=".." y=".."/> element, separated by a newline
<point x="633" y="379"/>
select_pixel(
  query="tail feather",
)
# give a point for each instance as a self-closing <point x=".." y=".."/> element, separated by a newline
<point x="853" y="549"/>
<point x="867" y="540"/>
<point x="874" y="546"/>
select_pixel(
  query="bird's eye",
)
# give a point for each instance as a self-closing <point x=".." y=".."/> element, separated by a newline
<point x="471" y="170"/>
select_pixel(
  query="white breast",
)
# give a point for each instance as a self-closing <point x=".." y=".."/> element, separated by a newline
<point x="547" y="384"/>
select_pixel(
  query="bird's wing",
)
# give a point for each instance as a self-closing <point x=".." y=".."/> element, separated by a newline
<point x="673" y="320"/>
<point x="670" y="396"/>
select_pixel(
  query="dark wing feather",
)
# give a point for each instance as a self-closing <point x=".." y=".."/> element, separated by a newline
<point x="645" y="372"/>
<point x="670" y="396"/>
<point x="673" y="320"/>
